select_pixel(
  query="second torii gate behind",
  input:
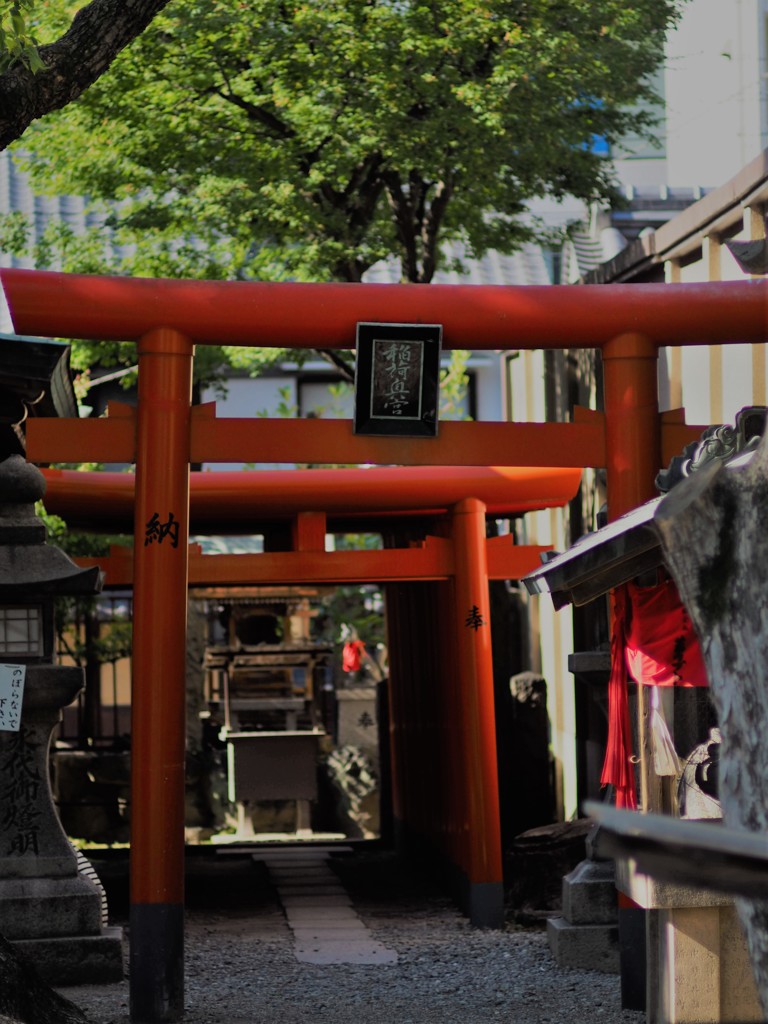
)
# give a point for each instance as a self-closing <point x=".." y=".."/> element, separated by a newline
<point x="443" y="721"/>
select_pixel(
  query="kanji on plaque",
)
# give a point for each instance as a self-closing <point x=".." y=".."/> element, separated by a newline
<point x="11" y="695"/>
<point x="397" y="371"/>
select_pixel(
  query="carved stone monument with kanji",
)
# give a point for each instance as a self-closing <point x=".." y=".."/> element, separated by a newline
<point x="48" y="909"/>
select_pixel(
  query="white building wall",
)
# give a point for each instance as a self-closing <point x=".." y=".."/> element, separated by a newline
<point x="556" y="630"/>
<point x="717" y="381"/>
<point x="715" y="89"/>
<point x="249" y="397"/>
<point x="486" y="370"/>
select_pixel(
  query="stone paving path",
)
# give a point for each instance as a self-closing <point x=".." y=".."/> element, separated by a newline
<point x="319" y="912"/>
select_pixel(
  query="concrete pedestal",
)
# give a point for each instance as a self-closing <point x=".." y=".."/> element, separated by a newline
<point x="587" y="935"/>
<point x="698" y="965"/>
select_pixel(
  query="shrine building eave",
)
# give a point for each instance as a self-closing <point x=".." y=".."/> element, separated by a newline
<point x="600" y="561"/>
<point x="615" y="554"/>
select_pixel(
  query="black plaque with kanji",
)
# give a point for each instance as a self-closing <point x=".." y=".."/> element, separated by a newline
<point x="397" y="381"/>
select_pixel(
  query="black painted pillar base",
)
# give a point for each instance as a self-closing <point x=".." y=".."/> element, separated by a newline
<point x="482" y="902"/>
<point x="632" y="954"/>
<point x="157" y="963"/>
<point x="485" y="904"/>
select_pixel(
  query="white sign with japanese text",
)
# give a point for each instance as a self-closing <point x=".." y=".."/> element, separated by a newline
<point x="11" y="695"/>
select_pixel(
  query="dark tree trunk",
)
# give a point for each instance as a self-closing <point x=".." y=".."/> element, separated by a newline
<point x="714" y="529"/>
<point x="26" y="999"/>
<point x="97" y="34"/>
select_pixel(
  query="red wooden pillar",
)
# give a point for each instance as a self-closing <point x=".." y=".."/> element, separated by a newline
<point x="158" y="688"/>
<point x="477" y="722"/>
<point x="632" y="427"/>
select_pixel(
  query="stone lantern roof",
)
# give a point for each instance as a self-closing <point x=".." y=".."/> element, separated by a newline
<point x="28" y="565"/>
<point x="35" y="380"/>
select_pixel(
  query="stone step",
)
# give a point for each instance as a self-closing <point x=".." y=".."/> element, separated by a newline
<point x="587" y="947"/>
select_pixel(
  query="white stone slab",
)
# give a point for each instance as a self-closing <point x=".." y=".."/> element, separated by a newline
<point x="330" y="933"/>
<point x="319" y="914"/>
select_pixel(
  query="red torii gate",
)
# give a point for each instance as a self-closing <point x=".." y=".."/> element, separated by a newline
<point x="628" y="324"/>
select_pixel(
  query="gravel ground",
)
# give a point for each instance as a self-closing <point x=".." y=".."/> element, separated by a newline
<point x="240" y="965"/>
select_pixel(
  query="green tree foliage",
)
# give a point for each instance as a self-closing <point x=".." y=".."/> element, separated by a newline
<point x="279" y="140"/>
<point x="17" y="42"/>
<point x="302" y="140"/>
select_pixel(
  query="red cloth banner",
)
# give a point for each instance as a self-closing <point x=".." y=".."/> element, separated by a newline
<point x="618" y="770"/>
<point x="653" y="641"/>
<point x="661" y="647"/>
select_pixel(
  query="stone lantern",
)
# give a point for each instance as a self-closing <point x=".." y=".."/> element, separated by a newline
<point x="47" y="908"/>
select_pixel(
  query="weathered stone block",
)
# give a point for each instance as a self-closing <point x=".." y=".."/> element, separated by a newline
<point x="588" y="947"/>
<point x="357" y="719"/>
<point x="47" y="907"/>
<point x="77" y="959"/>
<point x="589" y="893"/>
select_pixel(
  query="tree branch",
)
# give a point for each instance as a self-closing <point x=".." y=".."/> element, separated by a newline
<point x="404" y="223"/>
<point x="256" y="113"/>
<point x="73" y="63"/>
<point x="431" y="230"/>
<point x="366" y="185"/>
<point x="347" y="371"/>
